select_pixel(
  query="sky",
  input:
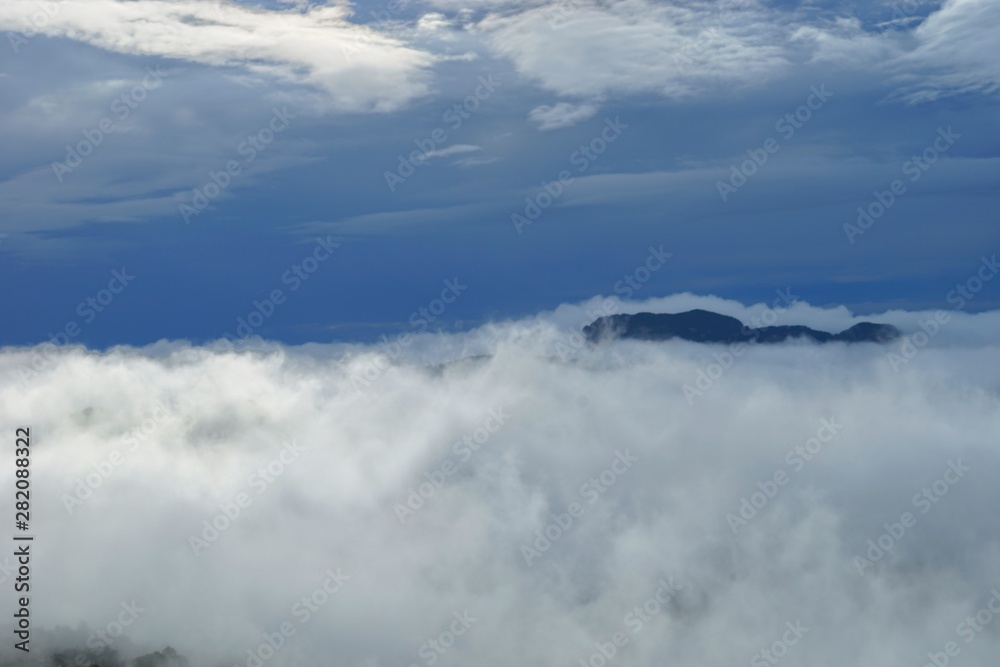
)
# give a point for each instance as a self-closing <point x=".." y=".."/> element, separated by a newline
<point x="532" y="153"/>
<point x="294" y="318"/>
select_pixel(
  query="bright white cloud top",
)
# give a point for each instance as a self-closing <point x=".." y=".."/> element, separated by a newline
<point x="575" y="48"/>
<point x="358" y="68"/>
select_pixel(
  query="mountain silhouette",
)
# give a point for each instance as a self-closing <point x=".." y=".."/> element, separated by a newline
<point x="702" y="326"/>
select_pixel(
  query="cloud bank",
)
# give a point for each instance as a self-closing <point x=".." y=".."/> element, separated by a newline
<point x="511" y="495"/>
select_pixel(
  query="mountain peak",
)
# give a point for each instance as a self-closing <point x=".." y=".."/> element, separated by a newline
<point x="703" y="326"/>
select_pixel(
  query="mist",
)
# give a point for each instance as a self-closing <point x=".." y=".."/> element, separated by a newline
<point x="512" y="495"/>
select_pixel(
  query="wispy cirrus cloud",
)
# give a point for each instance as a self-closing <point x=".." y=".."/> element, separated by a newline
<point x="959" y="48"/>
<point x="562" y="114"/>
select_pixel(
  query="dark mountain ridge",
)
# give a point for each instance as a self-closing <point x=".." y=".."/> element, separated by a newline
<point x="702" y="326"/>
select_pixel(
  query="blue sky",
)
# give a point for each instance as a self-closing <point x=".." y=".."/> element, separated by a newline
<point x="669" y="122"/>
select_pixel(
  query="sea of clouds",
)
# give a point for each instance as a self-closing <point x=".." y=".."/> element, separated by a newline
<point x="513" y="496"/>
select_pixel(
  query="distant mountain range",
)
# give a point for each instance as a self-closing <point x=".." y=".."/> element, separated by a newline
<point x="702" y="326"/>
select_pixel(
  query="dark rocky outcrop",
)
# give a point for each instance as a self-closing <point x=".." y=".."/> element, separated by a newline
<point x="702" y="326"/>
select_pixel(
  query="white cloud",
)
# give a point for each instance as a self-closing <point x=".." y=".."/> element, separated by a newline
<point x="468" y="7"/>
<point x="958" y="45"/>
<point x="562" y="114"/>
<point x="664" y="517"/>
<point x="951" y="51"/>
<point x="356" y="67"/>
<point x="586" y="48"/>
<point x="695" y="48"/>
<point x="457" y="149"/>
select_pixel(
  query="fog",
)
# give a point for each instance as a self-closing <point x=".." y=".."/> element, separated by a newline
<point x="398" y="488"/>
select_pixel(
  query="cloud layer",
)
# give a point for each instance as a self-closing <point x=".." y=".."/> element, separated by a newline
<point x="575" y="48"/>
<point x="676" y="50"/>
<point x="422" y="470"/>
<point x="359" y="69"/>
